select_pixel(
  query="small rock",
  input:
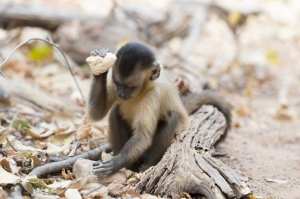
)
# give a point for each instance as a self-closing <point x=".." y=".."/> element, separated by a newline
<point x="83" y="168"/>
<point x="72" y="194"/>
<point x="116" y="189"/>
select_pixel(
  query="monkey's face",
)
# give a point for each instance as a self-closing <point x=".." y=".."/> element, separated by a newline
<point x="127" y="91"/>
<point x="127" y="88"/>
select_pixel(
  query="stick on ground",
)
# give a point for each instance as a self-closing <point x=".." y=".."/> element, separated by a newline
<point x="94" y="154"/>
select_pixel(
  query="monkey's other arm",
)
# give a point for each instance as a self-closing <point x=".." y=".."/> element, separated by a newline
<point x="99" y="102"/>
<point x="135" y="147"/>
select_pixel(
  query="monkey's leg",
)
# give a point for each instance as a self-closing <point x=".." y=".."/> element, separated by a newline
<point x="119" y="131"/>
<point x="161" y="141"/>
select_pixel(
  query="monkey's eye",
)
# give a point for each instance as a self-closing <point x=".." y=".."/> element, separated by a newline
<point x="130" y="87"/>
<point x="116" y="83"/>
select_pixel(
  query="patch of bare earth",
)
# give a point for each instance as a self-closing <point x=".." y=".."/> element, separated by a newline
<point x="265" y="149"/>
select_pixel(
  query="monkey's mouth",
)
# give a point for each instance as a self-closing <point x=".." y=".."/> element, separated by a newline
<point x="124" y="97"/>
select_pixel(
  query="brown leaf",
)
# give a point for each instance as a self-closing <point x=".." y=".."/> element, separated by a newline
<point x="65" y="175"/>
<point x="283" y="112"/>
<point x="35" y="161"/>
<point x="83" y="132"/>
<point x="116" y="189"/>
<point x="7" y="178"/>
<point x="37" y="134"/>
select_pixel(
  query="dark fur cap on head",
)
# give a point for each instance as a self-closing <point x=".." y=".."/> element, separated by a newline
<point x="133" y="55"/>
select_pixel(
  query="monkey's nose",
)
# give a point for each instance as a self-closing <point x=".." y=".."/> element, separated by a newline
<point x="123" y="97"/>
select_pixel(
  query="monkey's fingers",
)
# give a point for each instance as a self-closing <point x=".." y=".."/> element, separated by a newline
<point x="99" y="52"/>
<point x="104" y="164"/>
<point x="104" y="169"/>
<point x="100" y="61"/>
<point x="103" y="172"/>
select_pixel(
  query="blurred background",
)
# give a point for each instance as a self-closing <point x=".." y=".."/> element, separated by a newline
<point x="248" y="51"/>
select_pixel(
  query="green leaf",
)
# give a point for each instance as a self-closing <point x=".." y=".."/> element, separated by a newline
<point x="17" y="123"/>
<point x="40" y="52"/>
<point x="36" y="181"/>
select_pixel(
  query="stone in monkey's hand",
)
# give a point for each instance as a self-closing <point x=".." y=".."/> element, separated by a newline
<point x="100" y="61"/>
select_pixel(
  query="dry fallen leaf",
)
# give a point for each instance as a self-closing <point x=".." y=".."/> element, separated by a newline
<point x="116" y="189"/>
<point x="39" y="133"/>
<point x="278" y="181"/>
<point x="83" y="132"/>
<point x="148" y="196"/>
<point x="7" y="178"/>
<point x="66" y="176"/>
<point x="283" y="112"/>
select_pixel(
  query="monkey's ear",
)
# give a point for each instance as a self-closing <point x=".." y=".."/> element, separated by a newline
<point x="155" y="71"/>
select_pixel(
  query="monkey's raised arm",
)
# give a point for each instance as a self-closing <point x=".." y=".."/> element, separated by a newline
<point x="101" y="98"/>
<point x="97" y="105"/>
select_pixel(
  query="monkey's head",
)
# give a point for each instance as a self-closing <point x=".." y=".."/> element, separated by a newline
<point x="134" y="69"/>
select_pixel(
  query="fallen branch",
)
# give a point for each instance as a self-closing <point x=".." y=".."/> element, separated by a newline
<point x="94" y="154"/>
<point x="39" y="97"/>
<point x="44" y="17"/>
<point x="188" y="166"/>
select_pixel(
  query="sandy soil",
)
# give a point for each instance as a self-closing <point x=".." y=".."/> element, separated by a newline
<point x="265" y="149"/>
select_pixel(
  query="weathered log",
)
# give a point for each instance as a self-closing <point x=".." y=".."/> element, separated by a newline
<point x="188" y="166"/>
<point x="40" y="98"/>
<point x="43" y="17"/>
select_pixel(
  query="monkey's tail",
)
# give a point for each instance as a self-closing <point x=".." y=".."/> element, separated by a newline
<point x="209" y="97"/>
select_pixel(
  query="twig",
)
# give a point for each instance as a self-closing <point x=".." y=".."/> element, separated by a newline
<point x="91" y="191"/>
<point x="11" y="145"/>
<point x="56" y="47"/>
<point x="73" y="151"/>
<point x="94" y="154"/>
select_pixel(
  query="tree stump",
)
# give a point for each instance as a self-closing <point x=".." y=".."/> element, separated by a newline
<point x="188" y="166"/>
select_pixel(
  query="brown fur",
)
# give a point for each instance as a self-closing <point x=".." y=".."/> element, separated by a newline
<point x="150" y="111"/>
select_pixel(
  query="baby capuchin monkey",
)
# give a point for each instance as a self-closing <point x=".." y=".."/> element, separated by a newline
<point x="145" y="109"/>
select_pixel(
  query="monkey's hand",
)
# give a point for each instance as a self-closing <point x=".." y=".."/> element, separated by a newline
<point x="109" y="166"/>
<point x="101" y="60"/>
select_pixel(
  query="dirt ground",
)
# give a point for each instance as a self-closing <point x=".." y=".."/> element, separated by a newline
<point x="266" y="147"/>
<point x="266" y="150"/>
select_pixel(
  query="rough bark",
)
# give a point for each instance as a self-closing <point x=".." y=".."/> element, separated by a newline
<point x="188" y="166"/>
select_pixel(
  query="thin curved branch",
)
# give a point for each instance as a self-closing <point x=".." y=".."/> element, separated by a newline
<point x="60" y="52"/>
